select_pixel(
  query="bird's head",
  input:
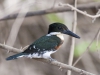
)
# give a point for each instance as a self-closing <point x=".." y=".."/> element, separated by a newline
<point x="59" y="27"/>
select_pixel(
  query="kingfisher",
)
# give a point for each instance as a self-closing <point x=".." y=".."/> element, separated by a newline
<point x="47" y="44"/>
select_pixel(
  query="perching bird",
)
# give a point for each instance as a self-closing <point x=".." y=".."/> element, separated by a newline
<point x="47" y="44"/>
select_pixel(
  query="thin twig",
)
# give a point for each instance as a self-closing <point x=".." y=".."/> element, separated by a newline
<point x="71" y="55"/>
<point x="87" y="48"/>
<point x="56" y="63"/>
<point x="11" y="49"/>
<point x="81" y="12"/>
<point x="96" y="14"/>
<point x="54" y="10"/>
<point x="53" y="4"/>
<point x="88" y="63"/>
<point x="97" y="43"/>
<point x="16" y="26"/>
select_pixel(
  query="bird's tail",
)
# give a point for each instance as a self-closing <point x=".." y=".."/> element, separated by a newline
<point x="16" y="56"/>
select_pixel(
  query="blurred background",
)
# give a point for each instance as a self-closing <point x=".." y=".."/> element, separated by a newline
<point x="20" y="32"/>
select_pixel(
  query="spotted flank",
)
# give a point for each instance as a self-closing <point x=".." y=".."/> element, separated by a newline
<point x="34" y="55"/>
<point x="34" y="46"/>
<point x="45" y="54"/>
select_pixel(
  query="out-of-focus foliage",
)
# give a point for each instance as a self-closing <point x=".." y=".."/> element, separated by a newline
<point x="54" y="18"/>
<point x="80" y="48"/>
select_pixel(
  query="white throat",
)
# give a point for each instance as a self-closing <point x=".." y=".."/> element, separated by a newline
<point x="58" y="34"/>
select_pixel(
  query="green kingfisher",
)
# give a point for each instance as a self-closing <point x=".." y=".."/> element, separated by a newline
<point x="47" y="44"/>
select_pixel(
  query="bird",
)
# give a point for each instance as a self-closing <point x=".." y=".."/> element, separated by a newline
<point x="47" y="44"/>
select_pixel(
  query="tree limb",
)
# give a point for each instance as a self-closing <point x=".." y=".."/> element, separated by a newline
<point x="56" y="63"/>
<point x="81" y="12"/>
<point x="74" y="26"/>
<point x="54" y="10"/>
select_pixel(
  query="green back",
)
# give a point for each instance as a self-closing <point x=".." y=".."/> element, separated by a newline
<point x="47" y="42"/>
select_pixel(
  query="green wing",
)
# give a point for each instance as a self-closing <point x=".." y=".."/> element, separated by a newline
<point x="47" y="42"/>
<point x="44" y="43"/>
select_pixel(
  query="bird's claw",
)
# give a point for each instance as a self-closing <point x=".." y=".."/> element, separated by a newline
<point x="51" y="59"/>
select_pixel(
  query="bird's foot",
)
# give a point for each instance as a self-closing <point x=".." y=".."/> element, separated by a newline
<point x="51" y="59"/>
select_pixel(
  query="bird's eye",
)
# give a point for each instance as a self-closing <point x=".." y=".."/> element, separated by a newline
<point x="60" y="28"/>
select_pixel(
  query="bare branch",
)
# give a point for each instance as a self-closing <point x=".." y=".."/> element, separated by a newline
<point x="97" y="39"/>
<point x="16" y="26"/>
<point x="96" y="14"/>
<point x="56" y="63"/>
<point x="81" y="12"/>
<point x="70" y="61"/>
<point x="54" y="4"/>
<point x="11" y="49"/>
<point x="54" y="10"/>
<point x="87" y="47"/>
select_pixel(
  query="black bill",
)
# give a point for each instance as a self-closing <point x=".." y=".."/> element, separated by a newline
<point x="71" y="33"/>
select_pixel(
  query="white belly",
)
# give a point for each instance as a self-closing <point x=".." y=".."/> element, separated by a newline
<point x="48" y="54"/>
<point x="45" y="55"/>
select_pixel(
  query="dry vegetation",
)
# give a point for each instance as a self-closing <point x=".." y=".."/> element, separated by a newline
<point x="23" y="21"/>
